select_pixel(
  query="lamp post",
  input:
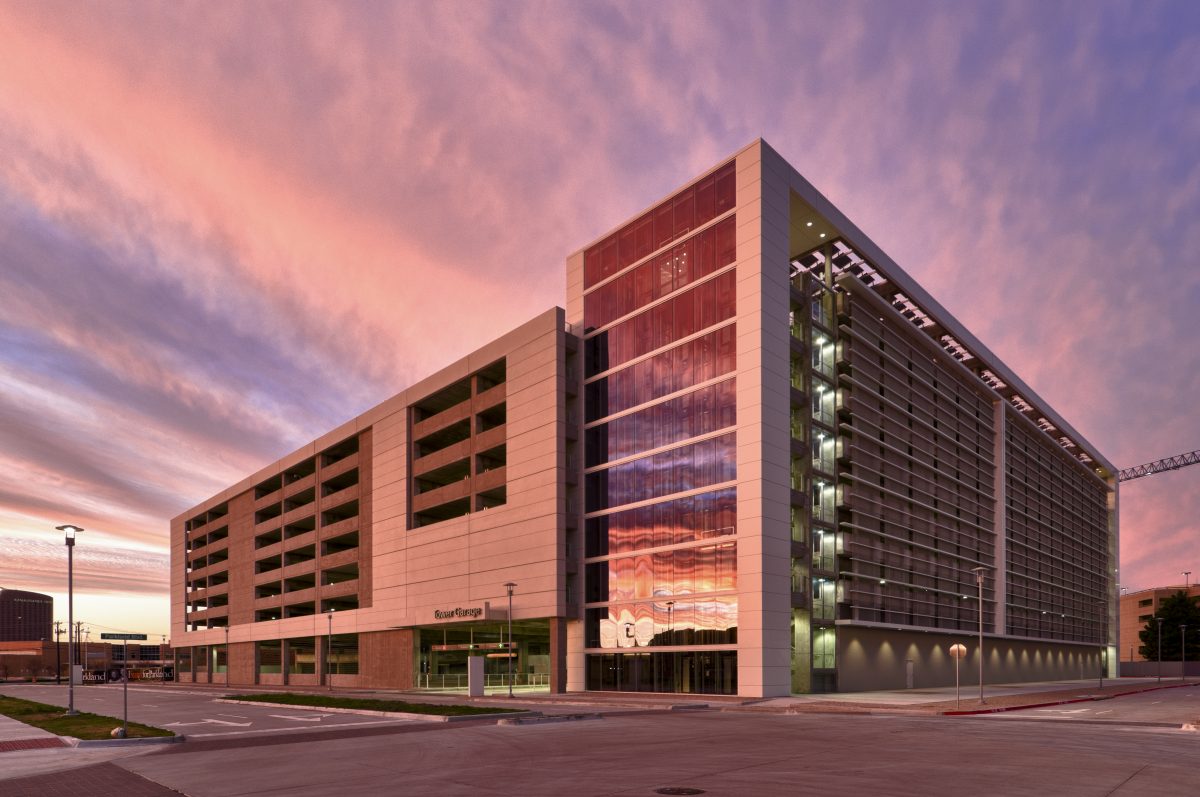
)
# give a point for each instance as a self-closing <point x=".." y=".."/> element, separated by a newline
<point x="670" y="628"/>
<point x="979" y="571"/>
<point x="1186" y="575"/>
<point x="227" y="654"/>
<point x="509" y="586"/>
<point x="1159" y="619"/>
<point x="70" y="532"/>
<point x="329" y="649"/>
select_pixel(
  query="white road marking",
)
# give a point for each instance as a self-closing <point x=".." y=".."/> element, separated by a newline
<point x="300" y="719"/>
<point x="260" y="731"/>
<point x="209" y="721"/>
<point x="239" y="716"/>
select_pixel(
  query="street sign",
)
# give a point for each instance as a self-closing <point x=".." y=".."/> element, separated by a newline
<point x="136" y="637"/>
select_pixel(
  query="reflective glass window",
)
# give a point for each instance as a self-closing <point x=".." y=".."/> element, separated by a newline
<point x="695" y="517"/>
<point x="697" y="413"/>
<point x="687" y="262"/>
<point x="687" y="620"/>
<point x="692" y="207"/>
<point x="709" y="356"/>
<point x="699" y="464"/>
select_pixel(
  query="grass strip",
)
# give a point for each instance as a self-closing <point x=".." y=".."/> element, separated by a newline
<point x="81" y="726"/>
<point x="331" y="701"/>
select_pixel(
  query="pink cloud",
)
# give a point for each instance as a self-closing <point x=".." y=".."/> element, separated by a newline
<point x="227" y="228"/>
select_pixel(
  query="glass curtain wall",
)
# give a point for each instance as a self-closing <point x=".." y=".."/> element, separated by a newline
<point x="660" y="448"/>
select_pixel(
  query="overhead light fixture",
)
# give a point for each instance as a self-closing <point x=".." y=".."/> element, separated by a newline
<point x="808" y="224"/>
<point x="822" y="235"/>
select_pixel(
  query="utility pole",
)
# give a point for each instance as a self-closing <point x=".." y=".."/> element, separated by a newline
<point x="57" y="652"/>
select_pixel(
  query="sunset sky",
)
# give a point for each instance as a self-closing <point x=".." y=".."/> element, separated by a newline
<point x="227" y="227"/>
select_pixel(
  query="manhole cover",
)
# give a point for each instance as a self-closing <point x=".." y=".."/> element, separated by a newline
<point x="678" y="790"/>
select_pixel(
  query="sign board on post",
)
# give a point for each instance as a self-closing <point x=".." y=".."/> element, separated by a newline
<point x="958" y="651"/>
<point x="124" y="731"/>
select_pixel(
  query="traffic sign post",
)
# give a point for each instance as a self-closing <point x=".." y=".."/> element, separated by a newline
<point x="957" y="651"/>
<point x="125" y="672"/>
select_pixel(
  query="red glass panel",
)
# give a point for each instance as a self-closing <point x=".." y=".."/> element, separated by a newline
<point x="626" y="246"/>
<point x="663" y="324"/>
<point x="726" y="188"/>
<point x="706" y="200"/>
<point x="706" y="253"/>
<point x="726" y="243"/>
<point x="665" y="281"/>
<point x="644" y="288"/>
<point x="669" y="272"/>
<point x="685" y="212"/>
<point x="591" y="266"/>
<point x="608" y="257"/>
<point x="726" y="294"/>
<point x="644" y="237"/>
<point x="664" y="228"/>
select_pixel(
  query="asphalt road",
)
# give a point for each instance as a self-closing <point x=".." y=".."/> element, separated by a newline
<point x="194" y="713"/>
<point x="1165" y="706"/>
<point x="723" y="753"/>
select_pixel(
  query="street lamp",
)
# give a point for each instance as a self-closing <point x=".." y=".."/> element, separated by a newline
<point x="329" y="649"/>
<point x="979" y="571"/>
<point x="509" y="586"/>
<point x="1186" y="575"/>
<point x="670" y="628"/>
<point x="70" y="531"/>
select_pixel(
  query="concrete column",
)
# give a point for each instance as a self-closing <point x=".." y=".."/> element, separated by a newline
<point x="558" y="655"/>
<point x="475" y="676"/>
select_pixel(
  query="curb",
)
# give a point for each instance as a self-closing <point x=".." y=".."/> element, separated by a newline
<point x="1088" y="699"/>
<point x="136" y="741"/>
<point x="403" y="715"/>
<point x="538" y="720"/>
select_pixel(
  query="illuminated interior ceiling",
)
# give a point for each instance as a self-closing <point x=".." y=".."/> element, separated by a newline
<point x="807" y="229"/>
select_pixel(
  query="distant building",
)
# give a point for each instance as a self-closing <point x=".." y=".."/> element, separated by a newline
<point x="752" y="456"/>
<point x="1137" y="609"/>
<point x="41" y="659"/>
<point x="25" y="616"/>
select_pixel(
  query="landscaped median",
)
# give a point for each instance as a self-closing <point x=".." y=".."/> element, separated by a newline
<point x="81" y="726"/>
<point x="430" y="712"/>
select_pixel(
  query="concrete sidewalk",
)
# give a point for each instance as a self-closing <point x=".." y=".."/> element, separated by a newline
<point x="934" y="700"/>
<point x="16" y="735"/>
<point x="28" y="751"/>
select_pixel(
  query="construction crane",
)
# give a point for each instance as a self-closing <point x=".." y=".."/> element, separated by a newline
<point x="1159" y="466"/>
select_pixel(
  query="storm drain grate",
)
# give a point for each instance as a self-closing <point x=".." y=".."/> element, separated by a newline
<point x="678" y="790"/>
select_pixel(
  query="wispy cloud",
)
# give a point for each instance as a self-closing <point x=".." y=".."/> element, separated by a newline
<point x="226" y="228"/>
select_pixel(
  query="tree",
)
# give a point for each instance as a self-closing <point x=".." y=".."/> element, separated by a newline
<point x="1175" y="610"/>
